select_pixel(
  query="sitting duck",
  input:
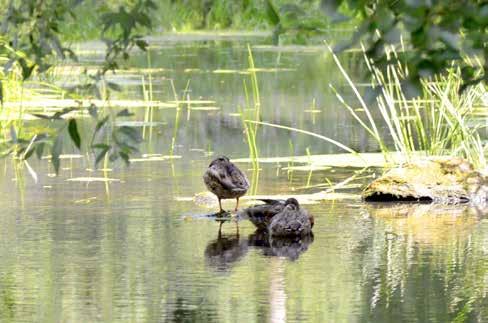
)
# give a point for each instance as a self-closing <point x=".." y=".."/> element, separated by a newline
<point x="280" y="218"/>
<point x="225" y="180"/>
<point x="291" y="222"/>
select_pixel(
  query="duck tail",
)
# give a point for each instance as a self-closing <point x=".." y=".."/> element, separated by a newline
<point x="271" y="201"/>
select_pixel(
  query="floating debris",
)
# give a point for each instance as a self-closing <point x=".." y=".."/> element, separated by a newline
<point x="140" y="123"/>
<point x="359" y="160"/>
<point x="92" y="179"/>
<point x="209" y="200"/>
<point x="312" y="111"/>
<point x="154" y="157"/>
<point x="192" y="102"/>
<point x="69" y="103"/>
<point x="65" y="156"/>
<point x="99" y="170"/>
<point x="85" y="201"/>
<point x="204" y="108"/>
<point x="307" y="168"/>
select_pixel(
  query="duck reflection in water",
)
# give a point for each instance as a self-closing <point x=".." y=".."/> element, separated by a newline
<point x="287" y="247"/>
<point x="227" y="249"/>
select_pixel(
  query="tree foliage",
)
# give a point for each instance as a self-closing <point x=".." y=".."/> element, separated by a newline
<point x="436" y="33"/>
<point x="30" y="39"/>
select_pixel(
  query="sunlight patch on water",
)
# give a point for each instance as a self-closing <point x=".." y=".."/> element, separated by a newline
<point x="154" y="157"/>
<point x="334" y="160"/>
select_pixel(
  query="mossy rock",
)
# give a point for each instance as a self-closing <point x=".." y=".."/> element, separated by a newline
<point x="436" y="179"/>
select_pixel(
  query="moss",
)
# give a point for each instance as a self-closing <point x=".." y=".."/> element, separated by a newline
<point x="437" y="179"/>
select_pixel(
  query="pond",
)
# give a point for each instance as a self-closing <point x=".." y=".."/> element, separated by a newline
<point x="134" y="244"/>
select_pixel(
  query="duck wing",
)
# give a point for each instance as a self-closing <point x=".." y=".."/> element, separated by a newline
<point x="219" y="175"/>
<point x="262" y="215"/>
<point x="290" y="223"/>
<point x="238" y="178"/>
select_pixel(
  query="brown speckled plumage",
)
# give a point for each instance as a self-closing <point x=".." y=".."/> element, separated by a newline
<point x="262" y="214"/>
<point x="291" y="221"/>
<point x="225" y="180"/>
<point x="280" y="217"/>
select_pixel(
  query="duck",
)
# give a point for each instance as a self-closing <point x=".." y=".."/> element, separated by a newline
<point x="279" y="217"/>
<point x="225" y="180"/>
<point x="292" y="221"/>
<point x="261" y="215"/>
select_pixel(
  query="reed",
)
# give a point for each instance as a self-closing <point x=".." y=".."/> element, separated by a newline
<point x="441" y="121"/>
<point x="252" y="111"/>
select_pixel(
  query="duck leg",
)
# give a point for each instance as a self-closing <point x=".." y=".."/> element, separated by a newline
<point x="220" y="206"/>
<point x="220" y="229"/>
<point x="237" y="203"/>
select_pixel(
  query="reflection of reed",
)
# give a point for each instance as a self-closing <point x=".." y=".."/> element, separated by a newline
<point x="432" y="246"/>
<point x="277" y="293"/>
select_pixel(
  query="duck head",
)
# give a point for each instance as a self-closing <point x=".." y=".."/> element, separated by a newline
<point x="219" y="160"/>
<point x="292" y="204"/>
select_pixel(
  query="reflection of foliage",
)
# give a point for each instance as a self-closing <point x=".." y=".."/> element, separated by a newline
<point x="7" y="300"/>
<point x="189" y="313"/>
<point x="433" y="247"/>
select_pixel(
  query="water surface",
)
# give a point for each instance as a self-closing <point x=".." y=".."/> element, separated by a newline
<point x="141" y="249"/>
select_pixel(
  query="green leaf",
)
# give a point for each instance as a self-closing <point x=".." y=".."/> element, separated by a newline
<point x="100" y="124"/>
<point x="29" y="153"/>
<point x="104" y="148"/>
<point x="125" y="157"/>
<point x="142" y="44"/>
<point x="26" y="69"/>
<point x="272" y="13"/>
<point x="114" y="86"/>
<point x="39" y="150"/>
<point x="1" y="93"/>
<point x="56" y="152"/>
<point x="131" y="133"/>
<point x="125" y="113"/>
<point x="73" y="133"/>
<point x="41" y="116"/>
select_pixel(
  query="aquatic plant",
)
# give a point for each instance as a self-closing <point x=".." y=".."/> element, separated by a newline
<point x="441" y="121"/>
<point x="252" y="111"/>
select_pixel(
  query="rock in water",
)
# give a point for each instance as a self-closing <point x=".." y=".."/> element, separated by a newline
<point x="436" y="179"/>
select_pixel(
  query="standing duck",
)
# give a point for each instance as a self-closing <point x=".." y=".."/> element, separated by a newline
<point x="291" y="221"/>
<point x="225" y="180"/>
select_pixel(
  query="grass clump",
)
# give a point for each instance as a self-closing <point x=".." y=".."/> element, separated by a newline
<point x="440" y="121"/>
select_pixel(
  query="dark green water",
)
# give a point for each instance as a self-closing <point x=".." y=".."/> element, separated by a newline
<point x="138" y="251"/>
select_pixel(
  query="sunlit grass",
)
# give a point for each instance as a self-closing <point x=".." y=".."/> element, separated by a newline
<point x="439" y="122"/>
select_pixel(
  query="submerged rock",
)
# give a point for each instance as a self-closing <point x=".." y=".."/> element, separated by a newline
<point x="436" y="179"/>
